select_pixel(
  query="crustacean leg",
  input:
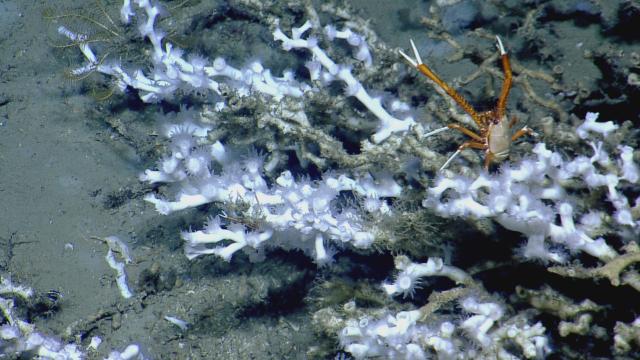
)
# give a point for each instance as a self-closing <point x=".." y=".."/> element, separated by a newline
<point x="424" y="69"/>
<point x="506" y="84"/>
<point x="467" y="144"/>
<point x="488" y="158"/>
<point x="467" y="132"/>
<point x="524" y="131"/>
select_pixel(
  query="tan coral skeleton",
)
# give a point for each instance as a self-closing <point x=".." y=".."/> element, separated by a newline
<point x="494" y="131"/>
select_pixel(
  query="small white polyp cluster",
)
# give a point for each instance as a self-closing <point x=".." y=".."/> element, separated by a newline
<point x="408" y="279"/>
<point x="172" y="70"/>
<point x="18" y="337"/>
<point x="484" y="334"/>
<point x="392" y="337"/>
<point x="518" y="197"/>
<point x="481" y="331"/>
<point x="323" y="68"/>
<point x="284" y="209"/>
<point x="118" y="246"/>
<point x="481" y="327"/>
<point x="303" y="206"/>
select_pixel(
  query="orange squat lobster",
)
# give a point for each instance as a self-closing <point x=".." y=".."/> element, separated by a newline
<point x="495" y="136"/>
